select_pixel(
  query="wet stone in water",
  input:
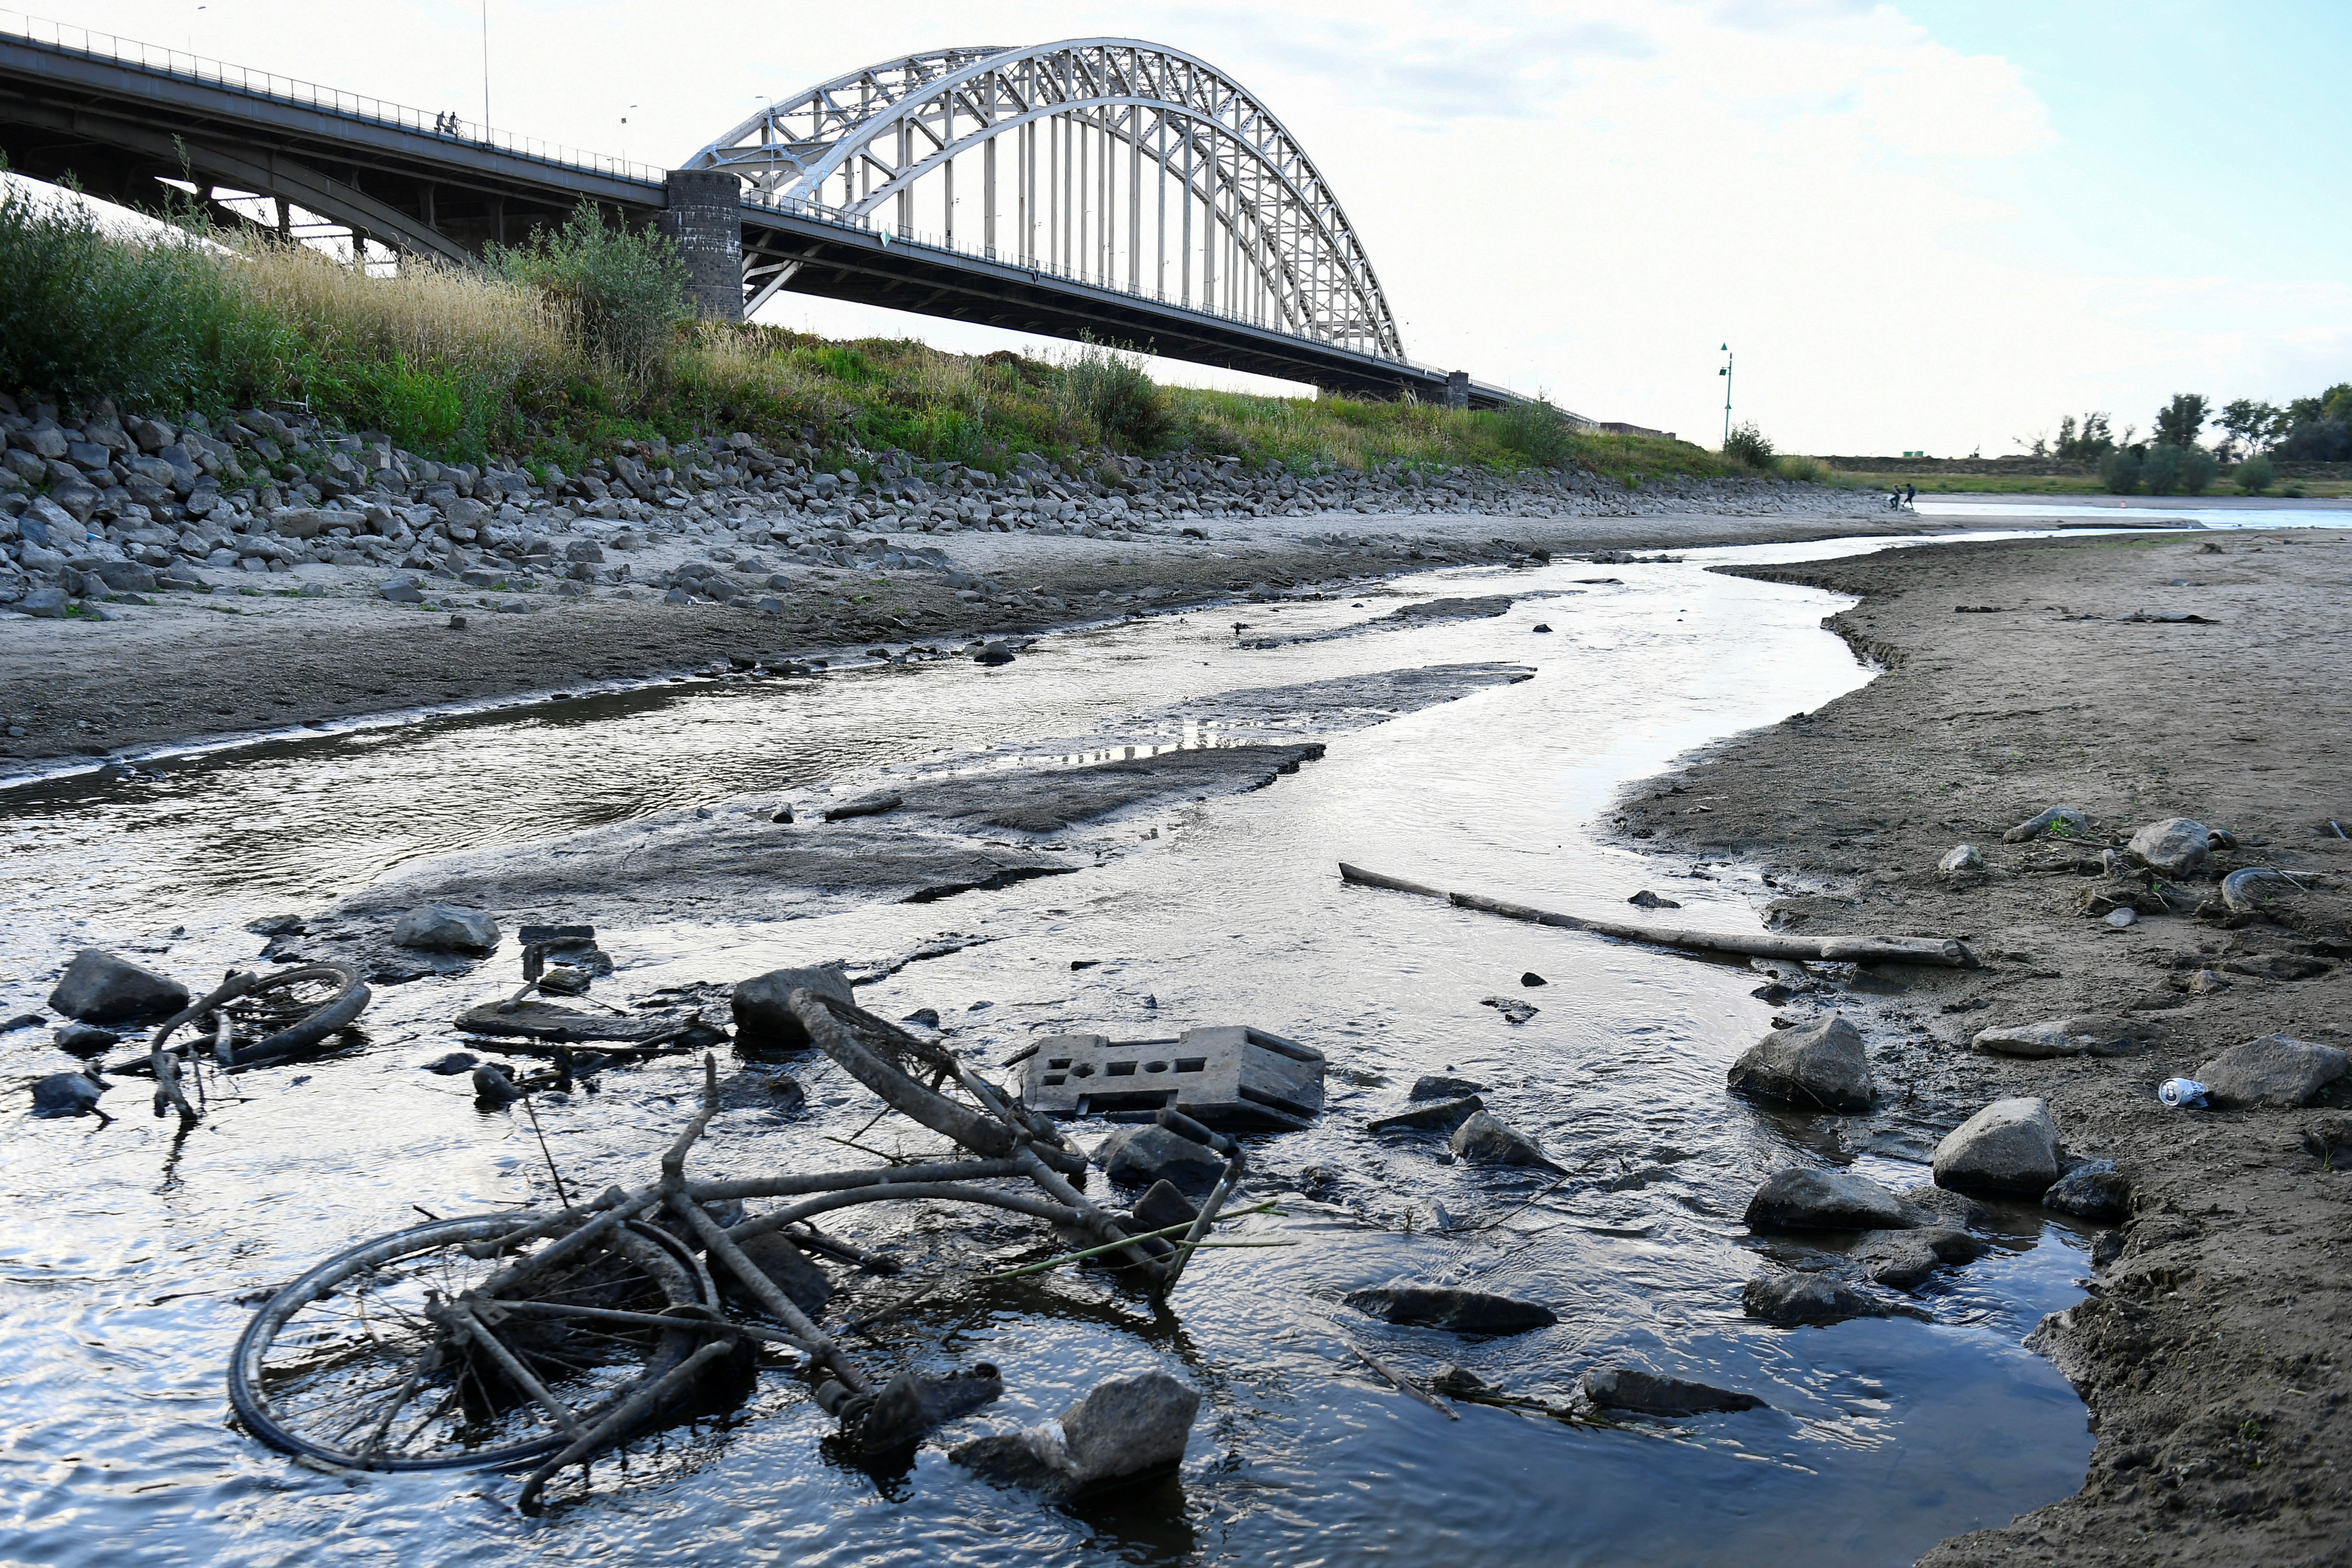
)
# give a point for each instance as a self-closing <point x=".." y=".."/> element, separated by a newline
<point x="1809" y="1299"/>
<point x="1439" y="1116"/>
<point x="787" y="1269"/>
<point x="85" y="1039"/>
<point x="1146" y="1155"/>
<point x="1647" y="1394"/>
<point x="444" y="928"/>
<point x="1483" y="1139"/>
<point x="1801" y="1199"/>
<point x="763" y="1018"/>
<point x="1448" y="1307"/>
<point x="1904" y="1258"/>
<point x="1127" y="1429"/>
<point x="67" y="1094"/>
<point x="100" y="987"/>
<point x="1435" y="1086"/>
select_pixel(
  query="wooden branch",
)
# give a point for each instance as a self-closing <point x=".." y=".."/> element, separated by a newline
<point x="1941" y="950"/>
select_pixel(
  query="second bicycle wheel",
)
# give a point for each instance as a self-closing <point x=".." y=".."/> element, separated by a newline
<point x="366" y="1362"/>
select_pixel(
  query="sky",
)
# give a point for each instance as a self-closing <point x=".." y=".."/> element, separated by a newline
<point x="1934" y="226"/>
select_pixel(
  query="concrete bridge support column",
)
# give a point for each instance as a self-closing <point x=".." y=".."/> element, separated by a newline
<point x="705" y="216"/>
<point x="1457" y="389"/>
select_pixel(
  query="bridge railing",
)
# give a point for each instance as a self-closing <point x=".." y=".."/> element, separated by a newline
<point x="69" y="38"/>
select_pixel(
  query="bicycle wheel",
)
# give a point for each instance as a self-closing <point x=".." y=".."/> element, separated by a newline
<point x="362" y="1362"/>
<point x="293" y="1010"/>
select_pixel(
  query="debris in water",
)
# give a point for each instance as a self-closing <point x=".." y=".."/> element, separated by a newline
<point x="1228" y="1075"/>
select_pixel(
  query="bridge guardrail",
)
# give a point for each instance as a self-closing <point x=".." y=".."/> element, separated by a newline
<point x="69" y="38"/>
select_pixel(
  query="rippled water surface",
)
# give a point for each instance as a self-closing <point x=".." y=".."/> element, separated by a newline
<point x="126" y="1270"/>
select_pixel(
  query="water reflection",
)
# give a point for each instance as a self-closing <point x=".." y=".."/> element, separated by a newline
<point x="1882" y="1436"/>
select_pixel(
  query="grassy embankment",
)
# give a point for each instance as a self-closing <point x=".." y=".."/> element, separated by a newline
<point x="561" y="349"/>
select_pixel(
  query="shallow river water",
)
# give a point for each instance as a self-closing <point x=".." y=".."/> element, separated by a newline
<point x="132" y="1254"/>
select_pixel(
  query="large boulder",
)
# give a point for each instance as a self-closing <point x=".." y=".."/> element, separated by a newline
<point x="761" y="1019"/>
<point x="2176" y="847"/>
<point x="2275" y="1070"/>
<point x="1146" y="1154"/>
<point x="2010" y="1146"/>
<point x="1127" y="1429"/>
<point x="445" y="928"/>
<point x="1483" y="1139"/>
<point x="1630" y="1388"/>
<point x="1445" y="1307"/>
<point x="101" y="987"/>
<point x="1818" y="1064"/>
<point x="1801" y="1199"/>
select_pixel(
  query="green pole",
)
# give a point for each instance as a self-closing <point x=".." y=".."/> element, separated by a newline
<point x="1726" y="374"/>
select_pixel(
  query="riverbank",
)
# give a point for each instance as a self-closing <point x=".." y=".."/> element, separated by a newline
<point x="319" y="643"/>
<point x="2026" y="674"/>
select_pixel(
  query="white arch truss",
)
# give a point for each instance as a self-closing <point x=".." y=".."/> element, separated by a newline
<point x="1109" y="161"/>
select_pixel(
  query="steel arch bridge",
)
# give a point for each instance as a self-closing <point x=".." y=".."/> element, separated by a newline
<point x="1112" y="162"/>
<point x="1101" y="188"/>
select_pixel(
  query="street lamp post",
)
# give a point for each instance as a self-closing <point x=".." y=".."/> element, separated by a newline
<point x="1726" y="374"/>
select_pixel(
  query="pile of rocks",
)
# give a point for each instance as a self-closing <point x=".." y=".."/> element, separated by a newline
<point x="95" y="506"/>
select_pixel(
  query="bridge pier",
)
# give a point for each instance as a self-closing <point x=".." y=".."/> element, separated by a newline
<point x="705" y="216"/>
<point x="1457" y="389"/>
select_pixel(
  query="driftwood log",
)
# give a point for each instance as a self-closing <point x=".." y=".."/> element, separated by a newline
<point x="1941" y="950"/>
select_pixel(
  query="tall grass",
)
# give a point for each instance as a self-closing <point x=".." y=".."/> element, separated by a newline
<point x="562" y="347"/>
<point x="440" y="358"/>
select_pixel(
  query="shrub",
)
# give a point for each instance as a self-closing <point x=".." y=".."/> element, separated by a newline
<point x="2255" y="475"/>
<point x="1805" y="470"/>
<point x="2198" y="468"/>
<point x="153" y="322"/>
<point x="1110" y="390"/>
<point x="1537" y="430"/>
<point x="1749" y="445"/>
<point x="2170" y="470"/>
<point x="624" y="293"/>
<point x="2120" y="470"/>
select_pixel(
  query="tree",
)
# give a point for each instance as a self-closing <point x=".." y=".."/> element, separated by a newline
<point x="2251" y="423"/>
<point x="2317" y="429"/>
<point x="2178" y="422"/>
<point x="2085" y="443"/>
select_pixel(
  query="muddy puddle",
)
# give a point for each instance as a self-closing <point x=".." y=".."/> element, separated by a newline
<point x="135" y="1252"/>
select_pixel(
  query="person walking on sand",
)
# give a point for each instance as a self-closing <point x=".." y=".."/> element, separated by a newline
<point x="1911" y="497"/>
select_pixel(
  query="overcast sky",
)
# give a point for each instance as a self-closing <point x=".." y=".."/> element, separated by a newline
<point x="1933" y="225"/>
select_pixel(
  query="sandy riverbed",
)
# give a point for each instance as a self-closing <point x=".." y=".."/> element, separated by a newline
<point x="2211" y="1349"/>
<point x="190" y="667"/>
